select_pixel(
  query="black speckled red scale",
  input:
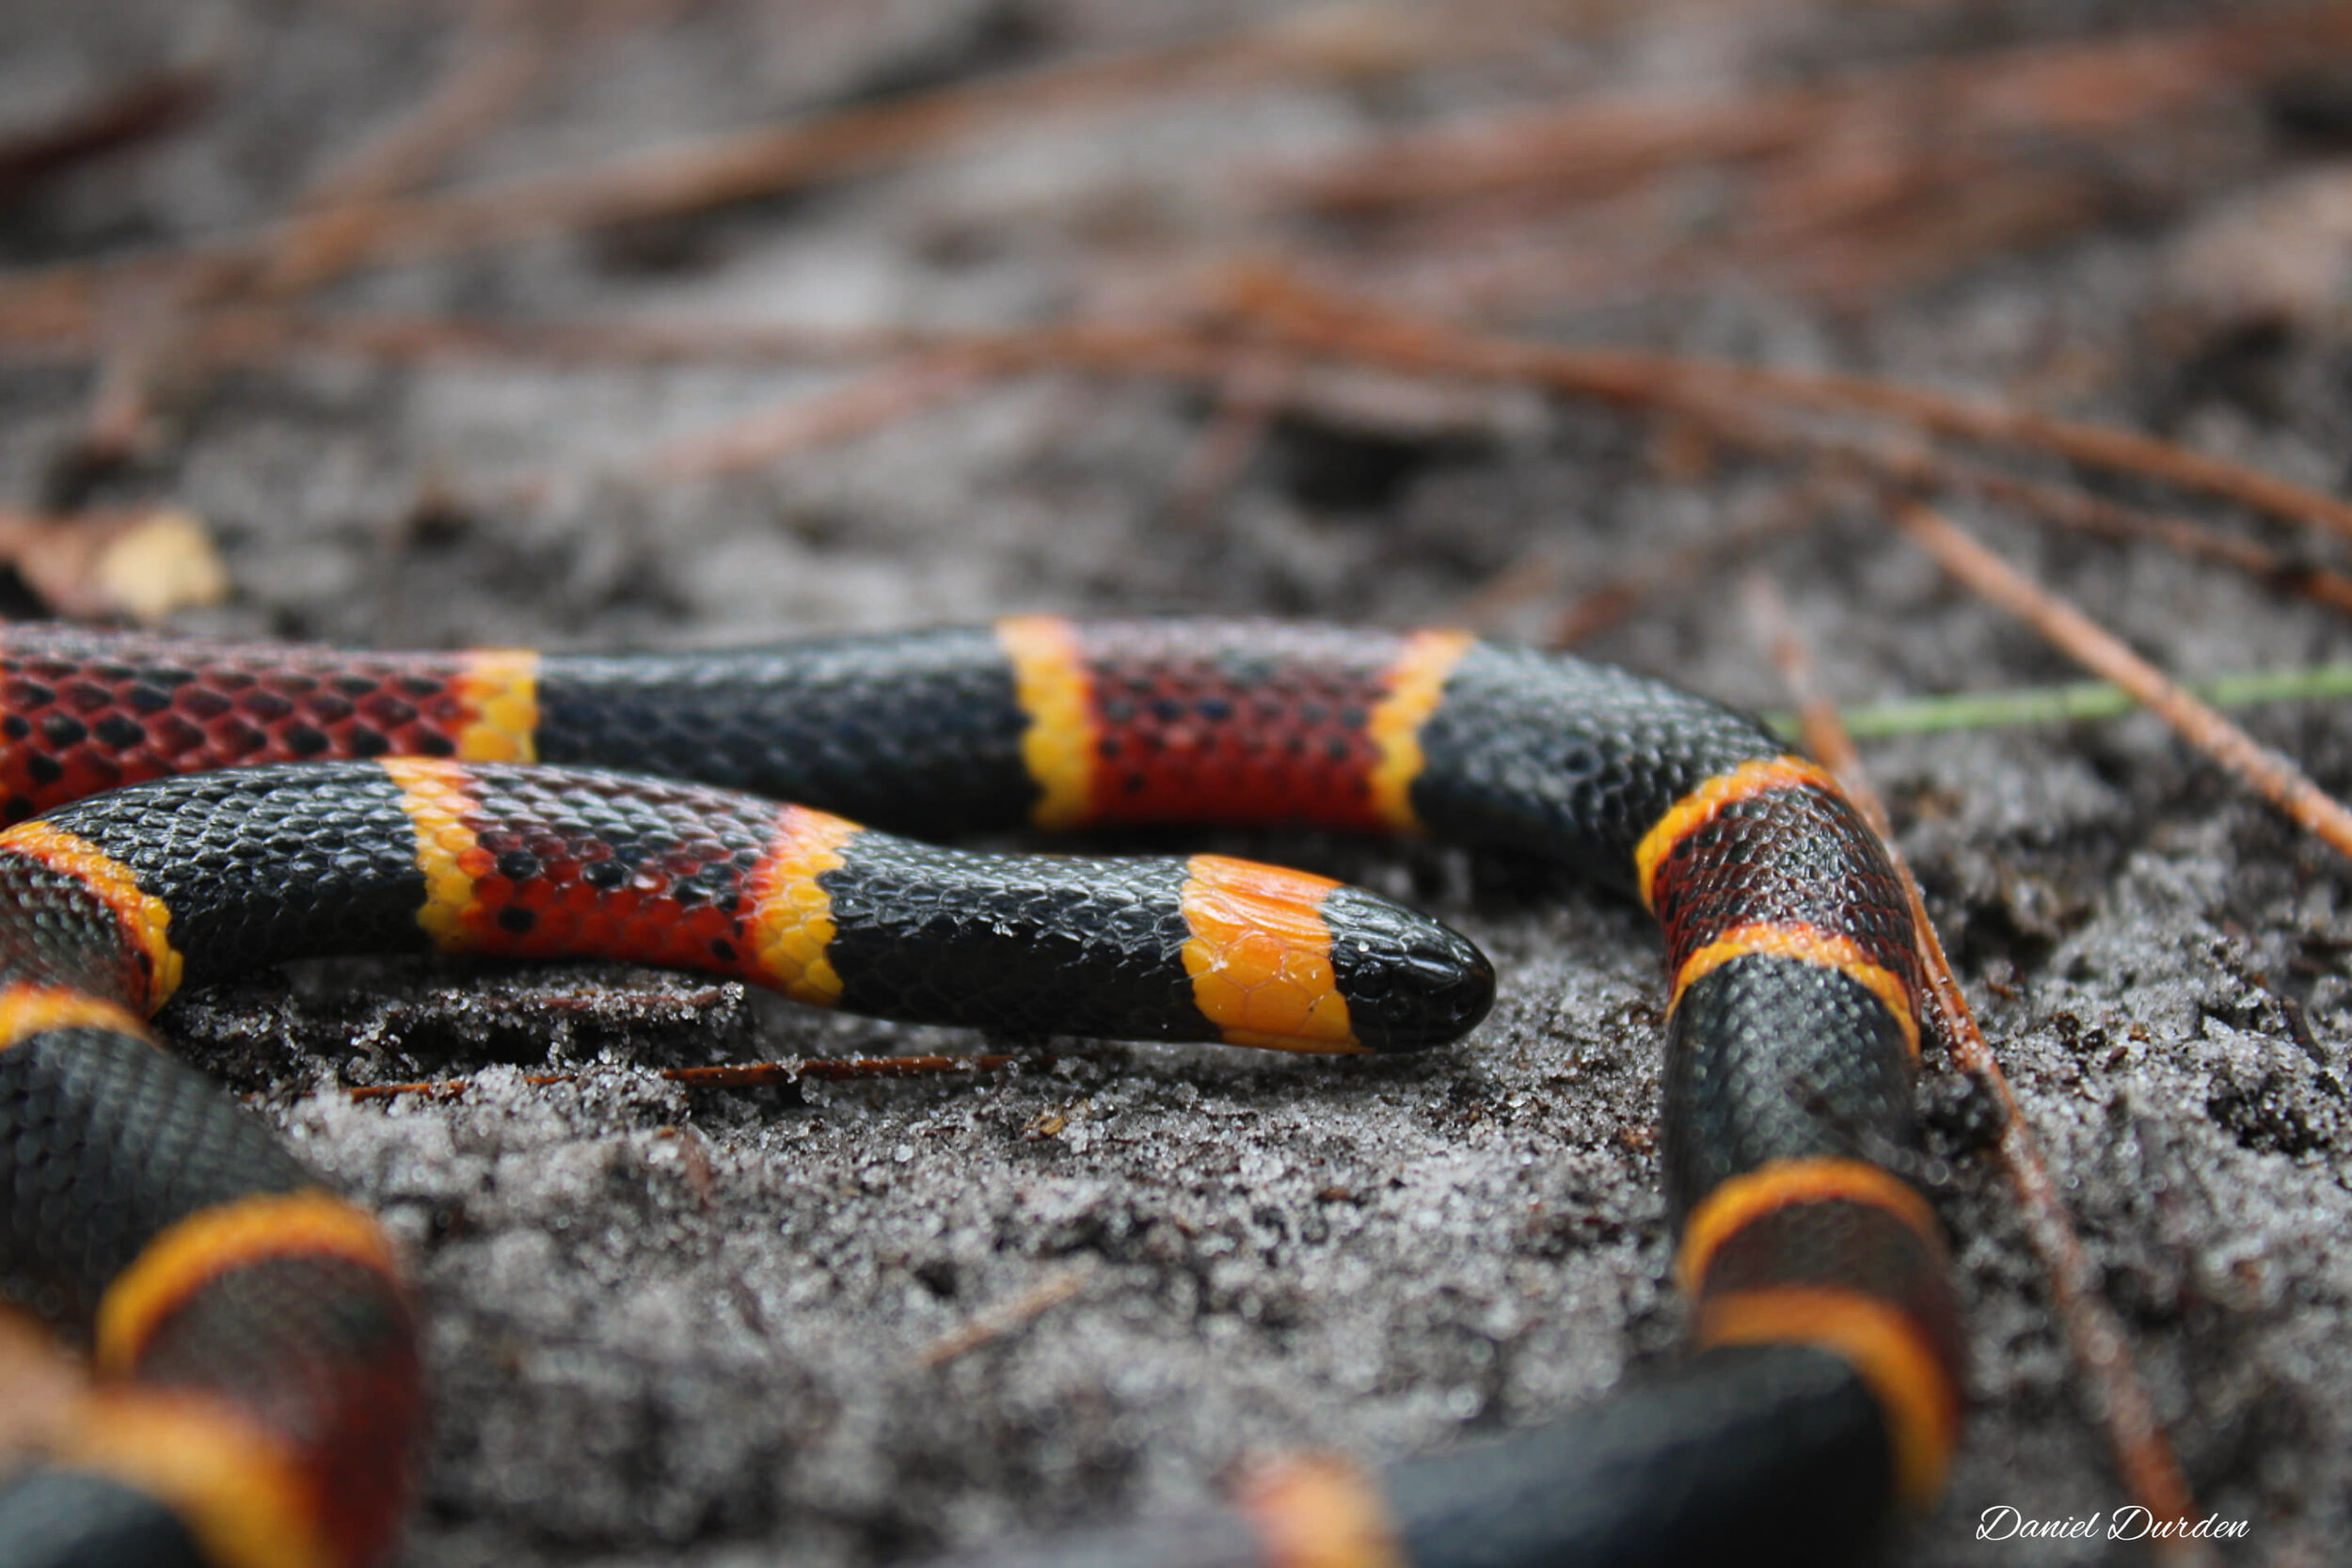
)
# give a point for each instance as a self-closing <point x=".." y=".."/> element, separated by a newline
<point x="1797" y="855"/>
<point x="83" y="712"/>
<point x="1272" y="729"/>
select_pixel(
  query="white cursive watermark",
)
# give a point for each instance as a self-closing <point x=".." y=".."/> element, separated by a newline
<point x="2004" y="1523"/>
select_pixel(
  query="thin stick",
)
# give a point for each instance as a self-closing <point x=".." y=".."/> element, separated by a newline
<point x="771" y="159"/>
<point x="2085" y="513"/>
<point x="262" y="335"/>
<point x="1794" y="509"/>
<point x="1340" y="42"/>
<point x="726" y="1075"/>
<point x="867" y="402"/>
<point x="2095" y="445"/>
<point x="741" y="1075"/>
<point x="497" y="59"/>
<point x="1248" y="397"/>
<point x="1920" y="468"/>
<point x="2105" y="86"/>
<point x="2143" y="1454"/>
<point x="135" y="111"/>
<point x="1691" y="389"/>
<point x="2276" y="779"/>
<point x="998" y="1321"/>
<point x="1299" y="314"/>
<point x="1702" y="391"/>
<point x="959" y="366"/>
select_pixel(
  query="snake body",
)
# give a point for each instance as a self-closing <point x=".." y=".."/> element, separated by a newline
<point x="184" y="810"/>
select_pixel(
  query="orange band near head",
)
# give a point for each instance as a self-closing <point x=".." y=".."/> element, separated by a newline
<point x="240" y="1492"/>
<point x="1701" y="806"/>
<point x="1050" y="682"/>
<point x="1807" y="944"/>
<point x="1321" y="1513"/>
<point x="1415" y="683"/>
<point x="1260" y="955"/>
<point x="1917" y="1397"/>
<point x="1742" y="1198"/>
<point x="791" y="923"/>
<point x="144" y="919"/>
<point x="27" y="1009"/>
<point x="213" y="1242"/>
<point x="438" y="797"/>
<point x="500" y="688"/>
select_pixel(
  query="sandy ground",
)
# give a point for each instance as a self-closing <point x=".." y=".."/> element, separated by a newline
<point x="734" y="1329"/>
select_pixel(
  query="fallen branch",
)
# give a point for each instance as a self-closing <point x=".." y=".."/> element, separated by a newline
<point x="135" y="111"/>
<point x="725" y="1076"/>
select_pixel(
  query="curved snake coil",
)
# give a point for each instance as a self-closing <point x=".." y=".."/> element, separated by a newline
<point x="256" y="1401"/>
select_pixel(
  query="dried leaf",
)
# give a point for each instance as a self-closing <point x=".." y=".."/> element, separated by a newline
<point x="139" y="565"/>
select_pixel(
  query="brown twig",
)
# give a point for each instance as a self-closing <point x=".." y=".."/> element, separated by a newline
<point x="1788" y="513"/>
<point x="1709" y="391"/>
<point x="1883" y="178"/>
<point x="1604" y="144"/>
<point x="725" y="1076"/>
<point x="1248" y="397"/>
<point x="135" y="111"/>
<point x="1731" y="400"/>
<point x="951" y="367"/>
<point x="866" y="402"/>
<point x="1294" y="312"/>
<point x="1340" y="42"/>
<point x="2101" y="1350"/>
<point x="998" y="1321"/>
<point x="2270" y="775"/>
<point x="1716" y="395"/>
<point x="1915" y="467"/>
<point x="772" y="159"/>
<point x="2093" y="446"/>
<point x="263" y="334"/>
<point x="741" y="1075"/>
<point x="1920" y="469"/>
<point x="2063" y="506"/>
<point x="499" y="56"/>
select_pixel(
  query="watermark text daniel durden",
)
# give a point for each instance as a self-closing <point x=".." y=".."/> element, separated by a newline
<point x="2004" y="1523"/>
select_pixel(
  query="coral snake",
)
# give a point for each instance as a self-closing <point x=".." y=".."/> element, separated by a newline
<point x="185" y="809"/>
